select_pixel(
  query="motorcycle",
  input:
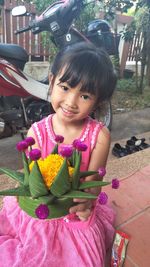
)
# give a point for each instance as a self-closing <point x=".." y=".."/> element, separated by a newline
<point x="19" y="106"/>
<point x="27" y="103"/>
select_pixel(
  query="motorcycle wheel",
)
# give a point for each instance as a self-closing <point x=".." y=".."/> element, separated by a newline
<point x="7" y="132"/>
<point x="104" y="114"/>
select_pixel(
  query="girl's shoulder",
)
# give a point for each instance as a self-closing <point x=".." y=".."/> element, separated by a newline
<point x="43" y="125"/>
<point x="95" y="123"/>
<point x="43" y="121"/>
<point x="93" y="129"/>
<point x="95" y="126"/>
<point x="99" y="129"/>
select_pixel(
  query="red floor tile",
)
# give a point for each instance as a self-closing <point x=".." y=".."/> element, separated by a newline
<point x="128" y="263"/>
<point x="123" y="204"/>
<point x="139" y="244"/>
<point x="146" y="170"/>
<point x="132" y="204"/>
<point x="132" y="196"/>
<point x="137" y="187"/>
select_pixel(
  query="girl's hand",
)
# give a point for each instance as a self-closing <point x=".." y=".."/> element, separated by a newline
<point x="82" y="210"/>
<point x="84" y="207"/>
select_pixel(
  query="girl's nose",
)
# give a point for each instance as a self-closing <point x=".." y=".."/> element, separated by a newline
<point x="71" y="100"/>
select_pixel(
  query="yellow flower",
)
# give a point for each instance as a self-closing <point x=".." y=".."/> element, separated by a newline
<point x="50" y="166"/>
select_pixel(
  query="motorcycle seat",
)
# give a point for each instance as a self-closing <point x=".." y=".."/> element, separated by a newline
<point x="13" y="51"/>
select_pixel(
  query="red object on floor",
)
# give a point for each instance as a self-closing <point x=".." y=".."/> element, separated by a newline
<point x="132" y="204"/>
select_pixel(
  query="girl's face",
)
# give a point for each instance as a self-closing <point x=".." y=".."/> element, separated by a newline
<point x="70" y="104"/>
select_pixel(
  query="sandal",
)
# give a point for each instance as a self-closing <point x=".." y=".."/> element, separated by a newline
<point x="132" y="147"/>
<point x="119" y="151"/>
<point x="137" y="141"/>
<point x="140" y="143"/>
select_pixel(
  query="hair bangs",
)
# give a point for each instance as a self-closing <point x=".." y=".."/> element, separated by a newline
<point x="80" y="72"/>
<point x="88" y="67"/>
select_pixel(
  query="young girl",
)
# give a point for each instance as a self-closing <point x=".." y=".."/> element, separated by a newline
<point x="81" y="78"/>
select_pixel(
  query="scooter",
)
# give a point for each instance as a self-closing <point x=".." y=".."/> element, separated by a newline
<point x="57" y="19"/>
<point x="19" y="106"/>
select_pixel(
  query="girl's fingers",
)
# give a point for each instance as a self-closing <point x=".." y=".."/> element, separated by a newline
<point x="81" y="207"/>
<point x="80" y="200"/>
<point x="83" y="216"/>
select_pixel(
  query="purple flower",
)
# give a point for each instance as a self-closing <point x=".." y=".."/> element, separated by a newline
<point x="102" y="171"/>
<point x="35" y="154"/>
<point x="115" y="183"/>
<point x="79" y="145"/>
<point x="30" y="141"/>
<point x="22" y="145"/>
<point x="42" y="211"/>
<point x="59" y="139"/>
<point x="102" y="198"/>
<point x="66" y="151"/>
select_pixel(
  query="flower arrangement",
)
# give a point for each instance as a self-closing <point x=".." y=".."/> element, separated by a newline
<point x="47" y="186"/>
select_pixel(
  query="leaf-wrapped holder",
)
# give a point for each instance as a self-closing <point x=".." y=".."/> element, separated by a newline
<point x="32" y="191"/>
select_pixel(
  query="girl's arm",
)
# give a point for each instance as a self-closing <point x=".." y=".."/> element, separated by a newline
<point x="98" y="159"/>
<point x="99" y="156"/>
<point x="32" y="134"/>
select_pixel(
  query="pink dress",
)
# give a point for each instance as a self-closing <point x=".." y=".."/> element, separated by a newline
<point x="65" y="242"/>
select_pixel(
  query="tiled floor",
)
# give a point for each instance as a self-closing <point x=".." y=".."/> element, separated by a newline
<point x="132" y="204"/>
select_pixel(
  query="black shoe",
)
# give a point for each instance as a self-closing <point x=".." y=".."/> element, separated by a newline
<point x="137" y="141"/>
<point x="144" y="145"/>
<point x="131" y="147"/>
<point x="119" y="151"/>
<point x="140" y="143"/>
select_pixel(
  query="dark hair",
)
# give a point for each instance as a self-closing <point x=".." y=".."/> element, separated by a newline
<point x="85" y="64"/>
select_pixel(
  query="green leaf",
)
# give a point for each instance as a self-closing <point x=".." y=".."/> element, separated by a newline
<point x="62" y="183"/>
<point x="26" y="169"/>
<point x="18" y="176"/>
<point x="55" y="150"/>
<point x="19" y="191"/>
<point x="76" y="173"/>
<point x="90" y="184"/>
<point x="87" y="173"/>
<point x="72" y="158"/>
<point x="79" y="194"/>
<point x="60" y="207"/>
<point x="48" y="199"/>
<point x="36" y="182"/>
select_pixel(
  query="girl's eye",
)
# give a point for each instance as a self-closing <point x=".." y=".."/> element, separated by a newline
<point x="85" y="97"/>
<point x="64" y="88"/>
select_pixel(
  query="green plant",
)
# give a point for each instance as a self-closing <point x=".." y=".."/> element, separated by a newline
<point x="128" y="85"/>
<point x="87" y="14"/>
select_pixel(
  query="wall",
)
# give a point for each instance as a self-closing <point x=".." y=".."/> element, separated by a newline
<point x="37" y="69"/>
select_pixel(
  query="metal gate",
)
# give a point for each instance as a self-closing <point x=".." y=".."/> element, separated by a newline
<point x="33" y="44"/>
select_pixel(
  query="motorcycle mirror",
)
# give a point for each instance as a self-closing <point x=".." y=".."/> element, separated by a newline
<point x="2" y="125"/>
<point x="18" y="11"/>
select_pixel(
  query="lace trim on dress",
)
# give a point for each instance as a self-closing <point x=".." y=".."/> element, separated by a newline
<point x="86" y="132"/>
<point x="47" y="126"/>
<point x="95" y="132"/>
<point x="82" y="138"/>
<point x="50" y="135"/>
<point x="39" y="138"/>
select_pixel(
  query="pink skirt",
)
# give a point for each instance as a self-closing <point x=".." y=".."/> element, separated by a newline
<point x="29" y="242"/>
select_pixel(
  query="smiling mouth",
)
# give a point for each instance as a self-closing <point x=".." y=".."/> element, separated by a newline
<point x="68" y="112"/>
